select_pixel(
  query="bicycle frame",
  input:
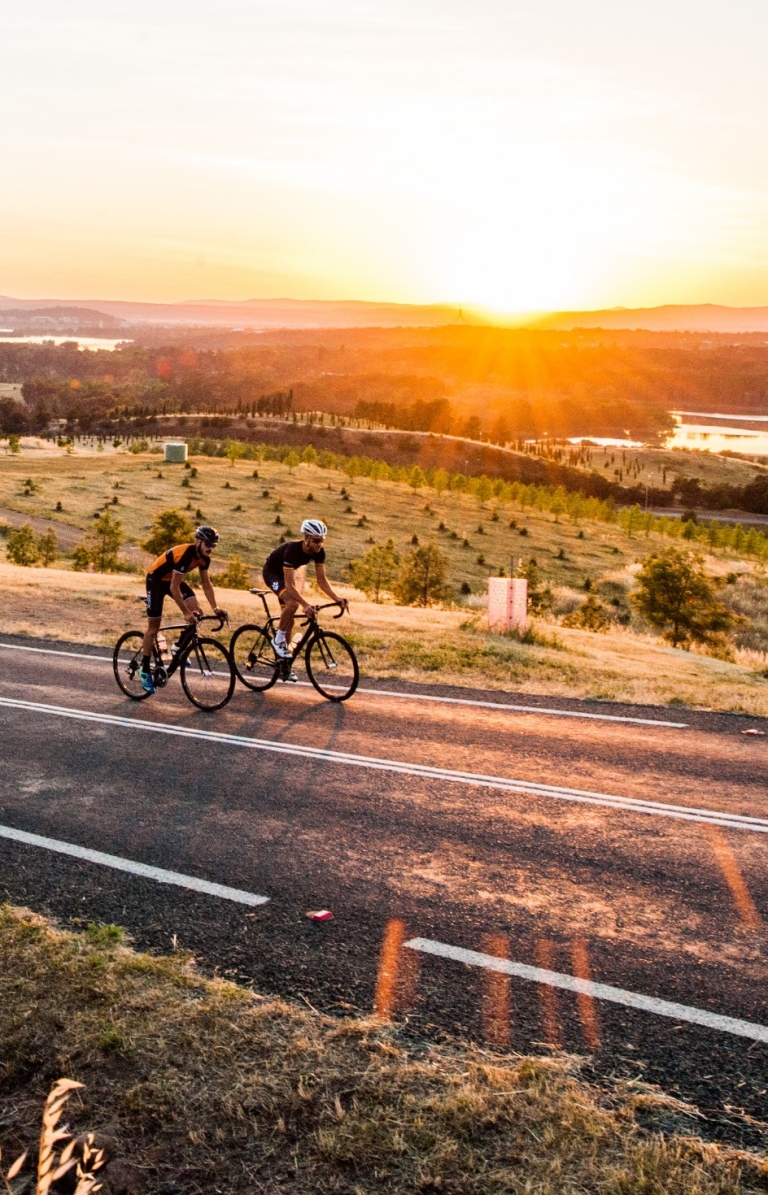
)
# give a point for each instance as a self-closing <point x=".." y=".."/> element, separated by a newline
<point x="187" y="638"/>
<point x="312" y="624"/>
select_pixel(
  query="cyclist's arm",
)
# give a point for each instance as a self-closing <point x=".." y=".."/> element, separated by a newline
<point x="205" y="581"/>
<point x="178" y="596"/>
<point x="324" y="584"/>
<point x="291" y="592"/>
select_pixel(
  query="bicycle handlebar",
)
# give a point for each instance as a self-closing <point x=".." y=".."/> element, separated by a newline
<point x="326" y="606"/>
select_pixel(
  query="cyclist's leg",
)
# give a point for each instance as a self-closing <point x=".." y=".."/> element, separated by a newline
<point x="155" y="596"/>
<point x="276" y="582"/>
<point x="288" y="611"/>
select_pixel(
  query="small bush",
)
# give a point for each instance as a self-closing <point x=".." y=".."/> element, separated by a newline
<point x="237" y="575"/>
<point x="590" y="616"/>
<point x="170" y="527"/>
<point x="22" y="547"/>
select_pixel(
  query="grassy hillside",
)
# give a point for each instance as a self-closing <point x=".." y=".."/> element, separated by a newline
<point x="254" y="506"/>
<point x="449" y="645"/>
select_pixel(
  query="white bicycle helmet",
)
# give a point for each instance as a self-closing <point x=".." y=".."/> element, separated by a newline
<point x="314" y="527"/>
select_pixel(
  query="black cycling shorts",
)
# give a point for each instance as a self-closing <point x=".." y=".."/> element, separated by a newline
<point x="274" y="581"/>
<point x="158" y="591"/>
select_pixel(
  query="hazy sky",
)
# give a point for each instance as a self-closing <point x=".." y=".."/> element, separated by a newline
<point x="518" y="155"/>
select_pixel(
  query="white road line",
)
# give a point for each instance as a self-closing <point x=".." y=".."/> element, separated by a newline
<point x="50" y="651"/>
<point x="550" y="711"/>
<point x="600" y="991"/>
<point x="139" y="869"/>
<point x="715" y="817"/>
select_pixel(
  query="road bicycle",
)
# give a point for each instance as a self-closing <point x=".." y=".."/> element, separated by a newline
<point x="204" y="664"/>
<point x="330" y="662"/>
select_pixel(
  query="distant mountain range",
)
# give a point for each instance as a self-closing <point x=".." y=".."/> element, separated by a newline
<point x="255" y="314"/>
<point x="701" y="317"/>
<point x="251" y="314"/>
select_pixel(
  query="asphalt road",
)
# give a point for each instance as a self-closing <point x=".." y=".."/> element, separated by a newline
<point x="603" y="845"/>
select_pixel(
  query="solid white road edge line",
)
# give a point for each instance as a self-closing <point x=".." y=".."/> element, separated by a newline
<point x="488" y="705"/>
<point x="139" y="869"/>
<point x="600" y="991"/>
<point x="425" y="771"/>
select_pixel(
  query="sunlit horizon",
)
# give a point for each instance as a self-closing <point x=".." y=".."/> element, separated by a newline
<point x="510" y="159"/>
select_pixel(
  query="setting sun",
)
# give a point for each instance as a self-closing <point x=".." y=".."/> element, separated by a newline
<point x="504" y="157"/>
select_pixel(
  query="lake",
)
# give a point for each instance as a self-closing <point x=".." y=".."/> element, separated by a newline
<point x="720" y="433"/>
<point x="83" y="342"/>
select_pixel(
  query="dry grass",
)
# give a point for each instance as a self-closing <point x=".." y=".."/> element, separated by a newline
<point x="445" y="646"/>
<point x="449" y="646"/>
<point x="205" y="1083"/>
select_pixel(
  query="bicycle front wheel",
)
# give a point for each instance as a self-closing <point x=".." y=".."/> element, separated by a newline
<point x="126" y="662"/>
<point x="253" y="658"/>
<point x="332" y="666"/>
<point x="206" y="674"/>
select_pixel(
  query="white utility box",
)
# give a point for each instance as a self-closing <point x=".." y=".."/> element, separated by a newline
<point x="176" y="452"/>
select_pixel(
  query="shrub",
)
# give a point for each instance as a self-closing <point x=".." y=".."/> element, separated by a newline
<point x="101" y="546"/>
<point x="22" y="547"/>
<point x="169" y="527"/>
<point x="47" y="547"/>
<point x="590" y="616"/>
<point x="237" y="575"/>
<point x="422" y="579"/>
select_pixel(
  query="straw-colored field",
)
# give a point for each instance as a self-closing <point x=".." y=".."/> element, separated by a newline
<point x="252" y="512"/>
<point x="442" y="646"/>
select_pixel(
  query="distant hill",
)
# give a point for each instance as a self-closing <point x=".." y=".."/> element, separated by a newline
<point x="258" y="313"/>
<point x="58" y="318"/>
<point x="702" y="317"/>
<point x="255" y="314"/>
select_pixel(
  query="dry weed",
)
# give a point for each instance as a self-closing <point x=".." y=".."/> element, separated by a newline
<point x="81" y="1156"/>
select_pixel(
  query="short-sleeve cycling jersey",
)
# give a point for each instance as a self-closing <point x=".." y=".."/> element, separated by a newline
<point x="184" y="558"/>
<point x="290" y="555"/>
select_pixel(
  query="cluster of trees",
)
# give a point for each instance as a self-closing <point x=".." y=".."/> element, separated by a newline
<point x="419" y="580"/>
<point x="556" y="500"/>
<point x="27" y="548"/>
<point x="512" y="383"/>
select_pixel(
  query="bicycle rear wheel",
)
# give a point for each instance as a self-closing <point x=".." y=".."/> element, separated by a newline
<point x="253" y="658"/>
<point x="126" y="662"/>
<point x="206" y="673"/>
<point x="332" y="666"/>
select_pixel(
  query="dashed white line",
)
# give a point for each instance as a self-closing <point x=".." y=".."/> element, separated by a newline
<point x="549" y="711"/>
<point x="159" y="874"/>
<point x="600" y="991"/>
<point x="715" y="817"/>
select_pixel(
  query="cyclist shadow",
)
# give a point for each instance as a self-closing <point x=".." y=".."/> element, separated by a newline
<point x="331" y="717"/>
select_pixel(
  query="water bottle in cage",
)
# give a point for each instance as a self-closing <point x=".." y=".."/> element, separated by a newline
<point x="162" y="647"/>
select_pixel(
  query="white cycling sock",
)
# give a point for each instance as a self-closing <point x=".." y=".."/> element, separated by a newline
<point x="280" y="637"/>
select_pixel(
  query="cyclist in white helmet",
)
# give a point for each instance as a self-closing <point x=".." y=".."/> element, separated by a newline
<point x="278" y="573"/>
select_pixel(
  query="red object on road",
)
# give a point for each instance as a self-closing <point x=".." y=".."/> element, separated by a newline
<point x="752" y="730"/>
<point x="320" y="915"/>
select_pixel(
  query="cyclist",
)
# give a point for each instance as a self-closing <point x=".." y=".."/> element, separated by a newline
<point x="166" y="577"/>
<point x="278" y="573"/>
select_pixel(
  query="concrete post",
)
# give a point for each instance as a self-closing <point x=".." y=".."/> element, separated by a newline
<point x="507" y="603"/>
